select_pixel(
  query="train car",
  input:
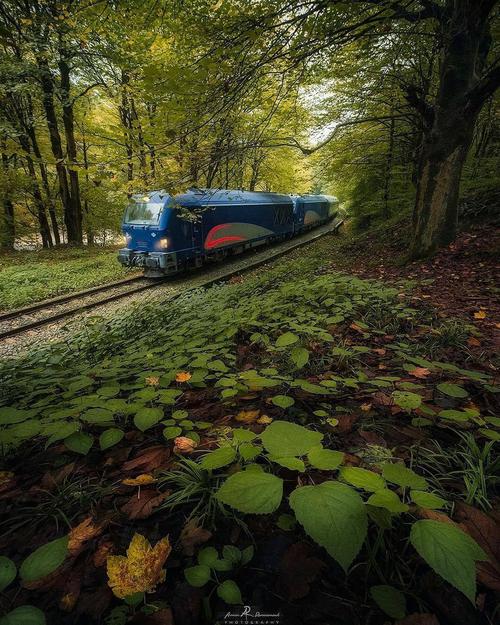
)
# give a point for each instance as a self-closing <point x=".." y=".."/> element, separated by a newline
<point x="166" y="234"/>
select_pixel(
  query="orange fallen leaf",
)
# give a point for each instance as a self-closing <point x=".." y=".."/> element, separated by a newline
<point x="183" y="376"/>
<point x="141" y="570"/>
<point x="247" y="416"/>
<point x="356" y="328"/>
<point x="140" y="480"/>
<point x="380" y="351"/>
<point x="420" y="372"/>
<point x="193" y="535"/>
<point x="473" y="342"/>
<point x="102" y="552"/>
<point x="142" y="504"/>
<point x="184" y="445"/>
<point x="480" y="314"/>
<point x="150" y="459"/>
<point x="264" y="420"/>
<point x="366" y="407"/>
<point x="83" y="532"/>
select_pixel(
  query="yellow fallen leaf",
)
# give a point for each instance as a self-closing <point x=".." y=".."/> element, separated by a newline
<point x="264" y="420"/>
<point x="152" y="380"/>
<point x="184" y="445"/>
<point x="183" y="376"/>
<point x="480" y="314"/>
<point x="141" y="569"/>
<point x="247" y="416"/>
<point x="140" y="480"/>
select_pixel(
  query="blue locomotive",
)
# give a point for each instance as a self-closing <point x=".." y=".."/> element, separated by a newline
<point x="166" y="234"/>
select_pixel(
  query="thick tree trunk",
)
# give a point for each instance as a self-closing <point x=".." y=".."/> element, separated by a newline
<point x="8" y="230"/>
<point x="449" y="124"/>
<point x="75" y="215"/>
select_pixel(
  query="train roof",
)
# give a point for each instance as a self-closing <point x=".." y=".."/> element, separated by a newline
<point x="215" y="197"/>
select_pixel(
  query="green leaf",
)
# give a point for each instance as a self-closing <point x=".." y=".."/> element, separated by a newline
<point x="232" y="554"/>
<point x="289" y="462"/>
<point x="79" y="442"/>
<point x="243" y="436"/>
<point x="44" y="560"/>
<point x="299" y="356"/>
<point x="172" y="432"/>
<point x="286" y="522"/>
<point x="286" y="339"/>
<point x="218" y="458"/>
<point x="283" y="401"/>
<point x="402" y="476"/>
<point x="282" y="439"/>
<point x="450" y="552"/>
<point x="110" y="437"/>
<point x="207" y="556"/>
<point x="253" y="492"/>
<point x="229" y="592"/>
<point x="8" y="572"/>
<point x="362" y="478"/>
<point x="198" y="575"/>
<point x="452" y="390"/>
<point x="427" y="500"/>
<point x="134" y="599"/>
<point x="390" y="600"/>
<point x="146" y="418"/>
<point x="406" y="400"/>
<point x="248" y="451"/>
<point x="334" y="515"/>
<point x="98" y="416"/>
<point x="24" y="615"/>
<point x="246" y="555"/>
<point x="325" y="459"/>
<point x="387" y="499"/>
<point x="222" y="565"/>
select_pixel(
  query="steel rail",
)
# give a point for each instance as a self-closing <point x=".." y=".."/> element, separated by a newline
<point x="158" y="282"/>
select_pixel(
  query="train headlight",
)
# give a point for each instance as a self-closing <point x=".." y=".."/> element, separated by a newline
<point x="126" y="239"/>
<point x="163" y="243"/>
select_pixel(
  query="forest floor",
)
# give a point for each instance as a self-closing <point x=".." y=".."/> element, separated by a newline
<point x="334" y="413"/>
<point x="28" y="277"/>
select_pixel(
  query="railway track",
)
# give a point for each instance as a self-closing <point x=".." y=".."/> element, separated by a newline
<point x="42" y="313"/>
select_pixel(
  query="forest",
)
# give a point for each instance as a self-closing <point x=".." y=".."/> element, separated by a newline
<point x="249" y="312"/>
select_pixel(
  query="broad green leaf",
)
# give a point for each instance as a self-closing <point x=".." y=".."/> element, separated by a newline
<point x="362" y="478"/>
<point x="325" y="459"/>
<point x="450" y="552"/>
<point x="282" y="438"/>
<point x="288" y="338"/>
<point x="8" y="572"/>
<point x="390" y="600"/>
<point x="172" y="432"/>
<point x="455" y="415"/>
<point x="110" y="437"/>
<point x="198" y="575"/>
<point x="247" y="555"/>
<point x="334" y="515"/>
<point x="402" y="476"/>
<point x="24" y="615"/>
<point x="248" y="451"/>
<point x="299" y="356"/>
<point x="79" y="442"/>
<point x="207" y="556"/>
<point x="251" y="491"/>
<point x="97" y="416"/>
<point x="229" y="592"/>
<point x="44" y="560"/>
<point x="146" y="418"/>
<point x="283" y="401"/>
<point x="289" y="462"/>
<point x="231" y="554"/>
<point x="286" y="522"/>
<point x="427" y="500"/>
<point x="242" y="435"/>
<point x="387" y="499"/>
<point x="59" y="431"/>
<point x="452" y="390"/>
<point x="406" y="400"/>
<point x="218" y="458"/>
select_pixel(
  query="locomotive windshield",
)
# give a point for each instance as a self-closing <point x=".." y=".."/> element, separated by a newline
<point x="143" y="212"/>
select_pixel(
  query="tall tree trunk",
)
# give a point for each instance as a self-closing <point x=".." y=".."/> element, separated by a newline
<point x="47" y="84"/>
<point x="75" y="216"/>
<point x="388" y="168"/>
<point x="90" y="231"/>
<point x="8" y="230"/>
<point x="125" y="118"/>
<point x="450" y="123"/>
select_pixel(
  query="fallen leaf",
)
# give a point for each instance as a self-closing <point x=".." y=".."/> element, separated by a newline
<point x="366" y="407"/>
<point x="473" y="342"/>
<point x="486" y="532"/>
<point x="247" y="416"/>
<point x="141" y="570"/>
<point x="297" y="571"/>
<point x="151" y="459"/>
<point x="7" y="480"/>
<point x="184" y="445"/>
<point x="83" y="532"/>
<point x="183" y="376"/>
<point x="346" y="422"/>
<point x="102" y="552"/>
<point x="51" y="480"/>
<point x="140" y="480"/>
<point x="264" y="420"/>
<point x="142" y="504"/>
<point x="480" y="314"/>
<point x="356" y="328"/>
<point x="420" y="372"/>
<point x="152" y="380"/>
<point x="381" y="351"/>
<point x="193" y="535"/>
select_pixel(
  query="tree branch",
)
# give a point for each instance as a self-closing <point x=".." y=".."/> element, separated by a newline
<point x="485" y="88"/>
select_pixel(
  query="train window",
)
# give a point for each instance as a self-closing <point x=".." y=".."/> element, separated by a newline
<point x="143" y="212"/>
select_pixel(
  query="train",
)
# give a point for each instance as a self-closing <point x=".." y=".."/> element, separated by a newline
<point x="166" y="234"/>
